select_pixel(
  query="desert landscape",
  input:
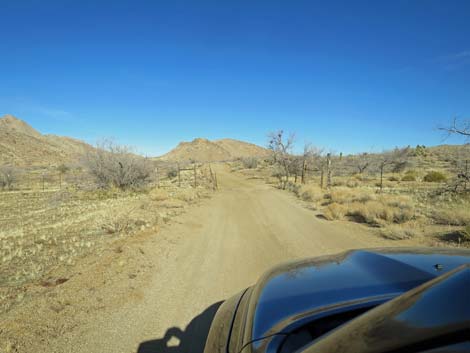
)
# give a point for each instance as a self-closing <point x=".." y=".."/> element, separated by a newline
<point x="234" y="176"/>
<point x="98" y="240"/>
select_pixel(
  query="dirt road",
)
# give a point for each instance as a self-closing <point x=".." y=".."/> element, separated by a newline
<point x="215" y="250"/>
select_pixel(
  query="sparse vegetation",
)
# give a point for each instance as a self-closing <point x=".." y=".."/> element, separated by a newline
<point x="172" y="173"/>
<point x="410" y="175"/>
<point x="113" y="165"/>
<point x="434" y="177"/>
<point x="43" y="227"/>
<point x="8" y="177"/>
<point x="466" y="233"/>
<point x="250" y="163"/>
<point x="407" y="203"/>
<point x="281" y="148"/>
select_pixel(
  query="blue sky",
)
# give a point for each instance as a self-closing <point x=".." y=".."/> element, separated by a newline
<point x="347" y="75"/>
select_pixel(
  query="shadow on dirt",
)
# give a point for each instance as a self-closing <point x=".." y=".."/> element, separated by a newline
<point x="191" y="340"/>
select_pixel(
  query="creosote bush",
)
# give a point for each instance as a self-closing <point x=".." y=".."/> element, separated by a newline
<point x="113" y="165"/>
<point x="292" y="187"/>
<point x="250" y="163"/>
<point x="172" y="173"/>
<point x="8" y="176"/>
<point x="434" y="177"/>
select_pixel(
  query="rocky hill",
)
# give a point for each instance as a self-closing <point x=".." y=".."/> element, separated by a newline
<point x="203" y="150"/>
<point x="21" y="145"/>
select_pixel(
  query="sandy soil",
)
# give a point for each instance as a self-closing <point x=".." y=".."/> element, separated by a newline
<point x="158" y="292"/>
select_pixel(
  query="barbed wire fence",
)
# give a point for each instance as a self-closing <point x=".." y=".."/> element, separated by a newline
<point x="165" y="175"/>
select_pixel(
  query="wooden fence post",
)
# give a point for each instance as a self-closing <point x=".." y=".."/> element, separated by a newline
<point x="157" y="176"/>
<point x="179" y="176"/>
<point x="328" y="170"/>
<point x="195" y="176"/>
<point x="304" y="166"/>
<point x="321" y="176"/>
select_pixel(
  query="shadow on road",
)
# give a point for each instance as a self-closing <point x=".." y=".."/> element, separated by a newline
<point x="191" y="340"/>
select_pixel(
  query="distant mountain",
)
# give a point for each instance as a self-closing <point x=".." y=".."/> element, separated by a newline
<point x="14" y="125"/>
<point x="203" y="150"/>
<point x="21" y="145"/>
<point x="241" y="149"/>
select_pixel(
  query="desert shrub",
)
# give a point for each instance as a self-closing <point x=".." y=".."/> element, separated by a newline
<point x="113" y="165"/>
<point x="393" y="178"/>
<point x="250" y="163"/>
<point x="311" y="193"/>
<point x="8" y="176"/>
<point x="292" y="187"/>
<point x="408" y="177"/>
<point x="334" y="211"/>
<point x="466" y="233"/>
<point x="435" y="177"/>
<point x="172" y="173"/>
<point x="352" y="183"/>
<point x="366" y="207"/>
<point x="358" y="177"/>
<point x="159" y="195"/>
<point x="63" y="168"/>
<point x="187" y="195"/>
<point x="278" y="173"/>
<point x="378" y="213"/>
<point x="339" y="182"/>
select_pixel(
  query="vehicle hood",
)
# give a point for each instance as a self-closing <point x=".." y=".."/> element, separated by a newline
<point x="319" y="286"/>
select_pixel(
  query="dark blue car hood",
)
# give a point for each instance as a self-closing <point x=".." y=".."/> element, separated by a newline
<point x="314" y="288"/>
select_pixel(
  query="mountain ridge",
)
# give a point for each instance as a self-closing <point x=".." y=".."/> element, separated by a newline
<point x="22" y="145"/>
<point x="204" y="150"/>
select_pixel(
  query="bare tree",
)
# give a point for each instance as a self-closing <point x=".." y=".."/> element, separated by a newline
<point x="8" y="176"/>
<point x="310" y="158"/>
<point x="281" y="148"/>
<point x="115" y="165"/>
<point x="392" y="159"/>
<point x="458" y="128"/>
<point x="362" y="162"/>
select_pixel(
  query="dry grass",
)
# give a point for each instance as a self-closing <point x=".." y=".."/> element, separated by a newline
<point x="311" y="193"/>
<point x="44" y="230"/>
<point x="159" y="194"/>
<point x="335" y="211"/>
<point x="407" y="206"/>
<point x="344" y="195"/>
<point x="466" y="233"/>
<point x="364" y="206"/>
<point x="453" y="216"/>
<point x="400" y="231"/>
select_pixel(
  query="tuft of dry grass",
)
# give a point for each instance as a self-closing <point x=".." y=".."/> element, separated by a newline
<point x="334" y="211"/>
<point x="311" y="193"/>
<point x="365" y="206"/>
<point x="399" y="231"/>
<point x="452" y="216"/>
<point x="159" y="194"/>
<point x="345" y="195"/>
<point x="466" y="233"/>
